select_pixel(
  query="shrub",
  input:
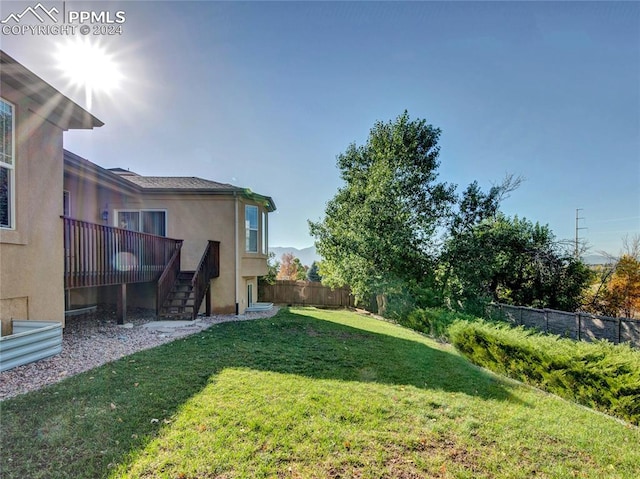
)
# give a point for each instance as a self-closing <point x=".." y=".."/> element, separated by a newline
<point x="433" y="321"/>
<point x="405" y="297"/>
<point x="600" y="375"/>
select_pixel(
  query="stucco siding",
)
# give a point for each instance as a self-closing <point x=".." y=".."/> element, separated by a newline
<point x="31" y="254"/>
<point x="83" y="200"/>
<point x="253" y="266"/>
<point x="196" y="219"/>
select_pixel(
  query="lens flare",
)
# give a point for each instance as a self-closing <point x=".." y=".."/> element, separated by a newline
<point x="88" y="65"/>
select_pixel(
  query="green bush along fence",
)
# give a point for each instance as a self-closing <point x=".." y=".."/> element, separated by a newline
<point x="599" y="375"/>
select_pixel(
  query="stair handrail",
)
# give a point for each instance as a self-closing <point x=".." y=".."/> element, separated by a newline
<point x="168" y="277"/>
<point x="208" y="268"/>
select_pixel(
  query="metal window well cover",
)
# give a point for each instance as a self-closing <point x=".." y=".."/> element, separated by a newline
<point x="30" y="341"/>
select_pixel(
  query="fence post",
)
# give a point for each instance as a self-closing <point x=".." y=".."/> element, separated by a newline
<point x="546" y="320"/>
<point x="619" y="330"/>
<point x="578" y="325"/>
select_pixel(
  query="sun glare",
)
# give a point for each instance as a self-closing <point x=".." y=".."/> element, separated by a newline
<point x="88" y="65"/>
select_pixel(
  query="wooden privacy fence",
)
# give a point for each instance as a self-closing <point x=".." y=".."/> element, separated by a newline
<point x="306" y="293"/>
<point x="578" y="326"/>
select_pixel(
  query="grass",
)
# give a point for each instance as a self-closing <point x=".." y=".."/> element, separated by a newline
<point x="306" y="394"/>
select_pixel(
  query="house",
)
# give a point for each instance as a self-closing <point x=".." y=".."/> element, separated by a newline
<point x="33" y="117"/>
<point x="194" y="210"/>
<point x="74" y="234"/>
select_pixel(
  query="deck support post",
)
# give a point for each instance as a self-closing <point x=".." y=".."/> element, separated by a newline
<point x="122" y="304"/>
<point x="207" y="301"/>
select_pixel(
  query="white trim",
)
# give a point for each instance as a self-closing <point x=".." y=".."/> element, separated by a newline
<point x="11" y="169"/>
<point x="265" y="233"/>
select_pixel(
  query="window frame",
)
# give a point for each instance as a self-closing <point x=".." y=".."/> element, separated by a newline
<point x="249" y="229"/>
<point x="264" y="233"/>
<point x="11" y="169"/>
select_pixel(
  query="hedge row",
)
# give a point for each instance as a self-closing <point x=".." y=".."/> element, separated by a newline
<point x="433" y="321"/>
<point x="599" y="375"/>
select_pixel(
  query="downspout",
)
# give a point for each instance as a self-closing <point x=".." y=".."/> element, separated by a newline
<point x="235" y="246"/>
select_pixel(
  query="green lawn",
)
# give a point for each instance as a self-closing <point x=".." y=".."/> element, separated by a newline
<point x="308" y="393"/>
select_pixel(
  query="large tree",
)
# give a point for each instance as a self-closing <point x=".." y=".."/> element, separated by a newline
<point x="473" y="207"/>
<point x="378" y="230"/>
<point x="618" y="291"/>
<point x="623" y="290"/>
<point x="291" y="268"/>
<point x="515" y="261"/>
<point x="313" y="273"/>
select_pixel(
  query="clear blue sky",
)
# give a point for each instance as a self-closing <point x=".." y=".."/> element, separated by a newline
<point x="265" y="95"/>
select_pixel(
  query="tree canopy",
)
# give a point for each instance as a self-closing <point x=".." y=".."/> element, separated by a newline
<point x="291" y="268"/>
<point x="618" y="291"/>
<point x="377" y="231"/>
<point x="515" y="261"/>
<point x="313" y="273"/>
<point x="395" y="232"/>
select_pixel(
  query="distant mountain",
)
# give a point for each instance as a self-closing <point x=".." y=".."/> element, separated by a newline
<point x="306" y="255"/>
<point x="596" y="259"/>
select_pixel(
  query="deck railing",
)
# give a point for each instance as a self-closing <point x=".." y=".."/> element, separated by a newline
<point x="99" y="255"/>
<point x="208" y="268"/>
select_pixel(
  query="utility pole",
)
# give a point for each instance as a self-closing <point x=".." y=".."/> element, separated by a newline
<point x="578" y="228"/>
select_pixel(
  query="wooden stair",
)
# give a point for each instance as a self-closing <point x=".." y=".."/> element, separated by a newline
<point x="180" y="293"/>
<point x="180" y="301"/>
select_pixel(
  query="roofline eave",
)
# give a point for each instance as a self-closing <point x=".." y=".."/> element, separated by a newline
<point x="82" y="168"/>
<point x="52" y="104"/>
<point x="269" y="203"/>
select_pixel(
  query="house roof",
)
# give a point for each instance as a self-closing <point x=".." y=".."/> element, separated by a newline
<point x="85" y="169"/>
<point x="134" y="183"/>
<point x="192" y="184"/>
<point x="49" y="102"/>
<point x="177" y="182"/>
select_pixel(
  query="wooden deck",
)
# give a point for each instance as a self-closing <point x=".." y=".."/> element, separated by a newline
<point x="99" y="255"/>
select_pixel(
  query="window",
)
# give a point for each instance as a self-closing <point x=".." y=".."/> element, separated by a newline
<point x="153" y="222"/>
<point x="146" y="221"/>
<point x="129" y="220"/>
<point x="251" y="227"/>
<point x="7" y="166"/>
<point x="66" y="203"/>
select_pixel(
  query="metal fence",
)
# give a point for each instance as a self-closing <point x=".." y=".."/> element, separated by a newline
<point x="305" y="293"/>
<point x="578" y="326"/>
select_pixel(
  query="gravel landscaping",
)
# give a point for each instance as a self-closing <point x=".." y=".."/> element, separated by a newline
<point x="92" y="340"/>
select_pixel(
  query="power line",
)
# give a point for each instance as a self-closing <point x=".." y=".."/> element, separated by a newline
<point x="609" y="220"/>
